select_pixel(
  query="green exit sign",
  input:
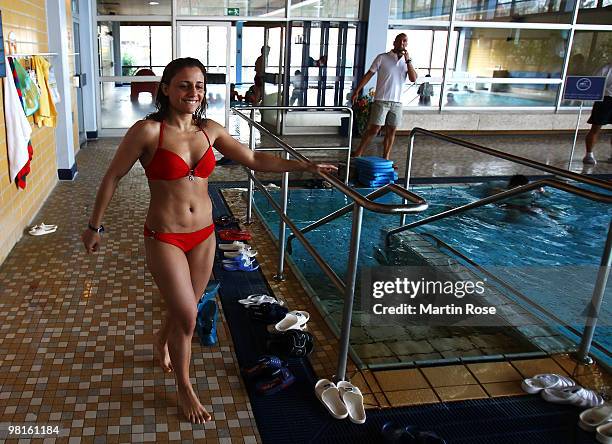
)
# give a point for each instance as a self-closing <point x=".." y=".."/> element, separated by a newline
<point x="233" y="11"/>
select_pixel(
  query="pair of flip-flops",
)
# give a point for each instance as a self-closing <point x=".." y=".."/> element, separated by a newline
<point x="409" y="434"/>
<point x="41" y="229"/>
<point x="291" y="343"/>
<point x="599" y="420"/>
<point x="259" y="298"/>
<point x="561" y="390"/>
<point x="293" y="320"/>
<point x="240" y="263"/>
<point x="270" y="375"/>
<point x="234" y="235"/>
<point x="267" y="312"/>
<point x="341" y="400"/>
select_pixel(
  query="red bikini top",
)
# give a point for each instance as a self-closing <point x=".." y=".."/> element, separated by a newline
<point x="167" y="165"/>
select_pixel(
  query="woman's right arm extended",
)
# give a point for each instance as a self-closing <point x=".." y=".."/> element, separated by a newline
<point x="129" y="151"/>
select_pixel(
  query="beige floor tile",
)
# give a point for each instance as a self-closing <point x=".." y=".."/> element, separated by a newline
<point x="391" y="380"/>
<point x="448" y="375"/>
<point x="411" y="397"/>
<point x="510" y="388"/>
<point x="494" y="372"/>
<point x="458" y="393"/>
<point x="531" y="367"/>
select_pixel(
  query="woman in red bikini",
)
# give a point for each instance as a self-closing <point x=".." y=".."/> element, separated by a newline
<point x="174" y="145"/>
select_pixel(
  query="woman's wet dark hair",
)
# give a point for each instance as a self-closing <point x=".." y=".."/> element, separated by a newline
<point x="162" y="103"/>
<point x="517" y="180"/>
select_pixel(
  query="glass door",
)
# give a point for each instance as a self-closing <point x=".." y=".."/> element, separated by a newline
<point x="210" y="43"/>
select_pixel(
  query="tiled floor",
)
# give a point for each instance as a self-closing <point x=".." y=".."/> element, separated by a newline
<point x="75" y="348"/>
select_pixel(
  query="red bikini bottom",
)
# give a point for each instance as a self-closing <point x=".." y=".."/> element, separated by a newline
<point x="185" y="241"/>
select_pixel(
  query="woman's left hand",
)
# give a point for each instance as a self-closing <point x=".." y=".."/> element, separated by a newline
<point x="321" y="168"/>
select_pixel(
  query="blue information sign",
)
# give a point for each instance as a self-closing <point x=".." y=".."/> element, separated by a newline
<point x="584" y="88"/>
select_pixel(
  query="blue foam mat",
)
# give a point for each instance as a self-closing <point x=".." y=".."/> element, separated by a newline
<point x="296" y="416"/>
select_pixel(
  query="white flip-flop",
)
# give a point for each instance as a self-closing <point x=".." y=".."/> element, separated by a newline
<point x="257" y="299"/>
<point x="38" y="230"/>
<point x="294" y="320"/>
<point x="545" y="381"/>
<point x="234" y="246"/>
<point x="594" y="417"/>
<point x="604" y="433"/>
<point x="353" y="399"/>
<point x="574" y="395"/>
<point x="329" y="395"/>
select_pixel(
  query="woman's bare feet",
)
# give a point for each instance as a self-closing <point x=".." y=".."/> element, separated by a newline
<point x="161" y="349"/>
<point x="191" y="407"/>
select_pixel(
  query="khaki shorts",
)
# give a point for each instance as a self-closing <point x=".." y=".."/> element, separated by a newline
<point x="383" y="112"/>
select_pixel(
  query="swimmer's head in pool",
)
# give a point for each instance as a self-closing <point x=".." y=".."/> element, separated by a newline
<point x="162" y="101"/>
<point x="517" y="180"/>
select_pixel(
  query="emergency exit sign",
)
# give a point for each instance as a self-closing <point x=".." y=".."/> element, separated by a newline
<point x="233" y="11"/>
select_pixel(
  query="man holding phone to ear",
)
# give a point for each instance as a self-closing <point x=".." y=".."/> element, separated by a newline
<point x="392" y="67"/>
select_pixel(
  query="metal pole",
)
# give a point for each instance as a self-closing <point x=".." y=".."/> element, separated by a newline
<point x="249" y="214"/>
<point x="350" y="147"/>
<point x="349" y="295"/>
<point x="569" y="162"/>
<point x="408" y="171"/>
<point x="282" y="226"/>
<point x="597" y="299"/>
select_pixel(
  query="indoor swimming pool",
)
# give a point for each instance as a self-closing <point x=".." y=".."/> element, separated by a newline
<point x="547" y="246"/>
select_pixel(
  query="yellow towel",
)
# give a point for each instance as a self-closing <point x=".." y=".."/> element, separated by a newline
<point x="46" y="114"/>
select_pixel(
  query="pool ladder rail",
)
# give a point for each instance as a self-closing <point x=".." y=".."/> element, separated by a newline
<point x="594" y="306"/>
<point x="412" y="203"/>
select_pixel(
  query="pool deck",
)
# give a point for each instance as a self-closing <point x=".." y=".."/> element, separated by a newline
<point x="77" y="329"/>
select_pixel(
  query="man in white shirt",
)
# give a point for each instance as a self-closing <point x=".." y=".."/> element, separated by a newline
<point x="600" y="115"/>
<point x="392" y="68"/>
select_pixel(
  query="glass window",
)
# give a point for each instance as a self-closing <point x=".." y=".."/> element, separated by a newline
<point x="595" y="12"/>
<point x="157" y="7"/>
<point x="500" y="95"/>
<point x="420" y="9"/>
<point x="128" y="49"/>
<point x="590" y="51"/>
<point x="325" y="8"/>
<point x="520" y="53"/>
<point x="243" y="8"/>
<point x="543" y="11"/>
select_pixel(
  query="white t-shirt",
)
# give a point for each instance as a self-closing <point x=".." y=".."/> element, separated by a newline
<point x="606" y="71"/>
<point x="391" y="77"/>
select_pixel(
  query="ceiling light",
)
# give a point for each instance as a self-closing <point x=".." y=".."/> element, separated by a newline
<point x="154" y="3"/>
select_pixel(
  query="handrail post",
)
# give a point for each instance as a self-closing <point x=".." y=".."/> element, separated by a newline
<point x="408" y="172"/>
<point x="249" y="213"/>
<point x="282" y="226"/>
<point x="597" y="299"/>
<point x="350" y="147"/>
<point x="349" y="295"/>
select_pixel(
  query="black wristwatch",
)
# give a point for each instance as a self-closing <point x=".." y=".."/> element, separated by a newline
<point x="99" y="229"/>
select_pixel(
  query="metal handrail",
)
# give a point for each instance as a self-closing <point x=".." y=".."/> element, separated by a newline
<point x="417" y="204"/>
<point x="507" y="286"/>
<point x="554" y="183"/>
<point x="348" y="208"/>
<point x="502" y="155"/>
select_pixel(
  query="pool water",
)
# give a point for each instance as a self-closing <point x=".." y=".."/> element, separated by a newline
<point x="548" y="246"/>
<point x="485" y="98"/>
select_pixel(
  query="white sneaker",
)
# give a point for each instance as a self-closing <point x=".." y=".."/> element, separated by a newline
<point x="589" y="159"/>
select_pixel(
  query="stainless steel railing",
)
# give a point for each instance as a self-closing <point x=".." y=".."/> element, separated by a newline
<point x="606" y="260"/>
<point x="412" y="203"/>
